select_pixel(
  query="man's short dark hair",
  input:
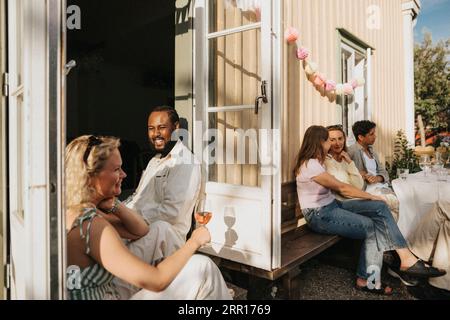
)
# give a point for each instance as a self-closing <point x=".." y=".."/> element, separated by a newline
<point x="173" y="115"/>
<point x="362" y="128"/>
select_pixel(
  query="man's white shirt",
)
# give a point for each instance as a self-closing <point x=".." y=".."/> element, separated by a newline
<point x="168" y="189"/>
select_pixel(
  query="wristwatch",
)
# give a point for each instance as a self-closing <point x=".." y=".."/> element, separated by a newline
<point x="114" y="207"/>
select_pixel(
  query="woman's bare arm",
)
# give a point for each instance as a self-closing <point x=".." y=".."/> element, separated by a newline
<point x="119" y="226"/>
<point x="328" y="181"/>
<point x="108" y="250"/>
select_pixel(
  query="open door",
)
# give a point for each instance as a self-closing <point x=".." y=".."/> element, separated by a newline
<point x="35" y="149"/>
<point x="232" y="132"/>
<point x="16" y="119"/>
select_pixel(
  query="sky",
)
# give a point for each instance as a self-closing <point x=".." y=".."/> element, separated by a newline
<point x="435" y="17"/>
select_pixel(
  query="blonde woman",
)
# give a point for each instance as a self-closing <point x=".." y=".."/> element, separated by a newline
<point x="97" y="223"/>
<point x="342" y="167"/>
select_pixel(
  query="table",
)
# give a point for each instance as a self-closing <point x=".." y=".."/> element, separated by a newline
<point x="416" y="196"/>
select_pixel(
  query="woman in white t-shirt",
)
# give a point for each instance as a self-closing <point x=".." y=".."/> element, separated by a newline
<point x="369" y="219"/>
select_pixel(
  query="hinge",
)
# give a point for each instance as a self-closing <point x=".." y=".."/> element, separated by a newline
<point x="5" y="86"/>
<point x="7" y="276"/>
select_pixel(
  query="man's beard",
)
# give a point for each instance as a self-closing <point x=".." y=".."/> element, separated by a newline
<point x="167" y="148"/>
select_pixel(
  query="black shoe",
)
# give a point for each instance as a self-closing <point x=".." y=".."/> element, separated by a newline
<point x="420" y="270"/>
<point x="391" y="259"/>
<point x="404" y="278"/>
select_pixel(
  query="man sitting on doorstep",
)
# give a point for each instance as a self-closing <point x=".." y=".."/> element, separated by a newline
<point x="341" y="166"/>
<point x="170" y="185"/>
<point x="376" y="178"/>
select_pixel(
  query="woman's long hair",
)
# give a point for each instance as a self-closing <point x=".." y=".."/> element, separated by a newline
<point x="82" y="164"/>
<point x="339" y="128"/>
<point x="312" y="146"/>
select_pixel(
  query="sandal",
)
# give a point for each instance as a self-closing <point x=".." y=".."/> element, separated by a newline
<point x="380" y="291"/>
<point x="421" y="270"/>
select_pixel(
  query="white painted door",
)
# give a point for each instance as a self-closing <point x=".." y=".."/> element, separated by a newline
<point x="17" y="143"/>
<point x="35" y="148"/>
<point x="233" y="50"/>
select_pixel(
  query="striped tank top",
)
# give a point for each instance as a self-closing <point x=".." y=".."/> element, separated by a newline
<point x="93" y="282"/>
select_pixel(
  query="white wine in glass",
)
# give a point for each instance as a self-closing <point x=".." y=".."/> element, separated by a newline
<point x="202" y="215"/>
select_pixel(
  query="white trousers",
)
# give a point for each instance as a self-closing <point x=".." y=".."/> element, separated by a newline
<point x="199" y="279"/>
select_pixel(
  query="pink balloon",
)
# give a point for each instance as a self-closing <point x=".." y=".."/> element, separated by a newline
<point x="319" y="80"/>
<point x="302" y="53"/>
<point x="330" y="85"/>
<point x="348" y="89"/>
<point x="291" y="34"/>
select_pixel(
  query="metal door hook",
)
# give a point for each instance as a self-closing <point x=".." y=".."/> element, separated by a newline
<point x="69" y="65"/>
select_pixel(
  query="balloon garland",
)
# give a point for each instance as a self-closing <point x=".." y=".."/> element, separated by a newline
<point x="312" y="69"/>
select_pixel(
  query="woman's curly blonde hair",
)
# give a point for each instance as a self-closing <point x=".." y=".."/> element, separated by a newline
<point x="80" y="171"/>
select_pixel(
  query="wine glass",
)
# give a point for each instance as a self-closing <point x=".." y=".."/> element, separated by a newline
<point x="425" y="164"/>
<point x="202" y="215"/>
<point x="439" y="161"/>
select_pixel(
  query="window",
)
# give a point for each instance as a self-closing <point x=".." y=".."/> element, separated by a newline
<point x="354" y="64"/>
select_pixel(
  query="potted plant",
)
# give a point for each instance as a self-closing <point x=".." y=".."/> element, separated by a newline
<point x="403" y="157"/>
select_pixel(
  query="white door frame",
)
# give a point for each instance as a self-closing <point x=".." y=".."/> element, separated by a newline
<point x="350" y="75"/>
<point x="3" y="154"/>
<point x="57" y="137"/>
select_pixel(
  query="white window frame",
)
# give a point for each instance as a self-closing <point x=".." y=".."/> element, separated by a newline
<point x="353" y="45"/>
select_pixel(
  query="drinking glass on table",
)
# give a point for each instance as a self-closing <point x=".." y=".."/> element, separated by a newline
<point x="202" y="215"/>
<point x="439" y="161"/>
<point x="403" y="173"/>
<point x="442" y="174"/>
<point x="425" y="164"/>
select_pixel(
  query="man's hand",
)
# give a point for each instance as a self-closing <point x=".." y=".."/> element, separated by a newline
<point x="373" y="179"/>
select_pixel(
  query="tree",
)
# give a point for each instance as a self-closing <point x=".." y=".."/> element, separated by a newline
<point x="432" y="83"/>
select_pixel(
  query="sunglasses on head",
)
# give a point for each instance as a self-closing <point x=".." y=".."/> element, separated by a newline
<point x="92" y="141"/>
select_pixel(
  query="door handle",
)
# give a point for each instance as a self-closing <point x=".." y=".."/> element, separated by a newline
<point x="69" y="65"/>
<point x="262" y="97"/>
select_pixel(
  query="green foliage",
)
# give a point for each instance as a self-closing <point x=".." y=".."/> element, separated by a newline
<point x="404" y="157"/>
<point x="432" y="83"/>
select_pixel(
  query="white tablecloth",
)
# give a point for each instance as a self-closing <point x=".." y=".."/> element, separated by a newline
<point x="416" y="196"/>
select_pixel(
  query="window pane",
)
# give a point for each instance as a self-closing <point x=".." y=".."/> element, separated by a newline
<point x="354" y="107"/>
<point x="227" y="14"/>
<point x="235" y="66"/>
<point x="234" y="149"/>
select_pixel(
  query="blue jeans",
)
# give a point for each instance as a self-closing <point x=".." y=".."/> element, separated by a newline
<point x="359" y="219"/>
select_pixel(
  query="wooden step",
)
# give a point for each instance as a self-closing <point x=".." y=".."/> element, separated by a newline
<point x="297" y="247"/>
